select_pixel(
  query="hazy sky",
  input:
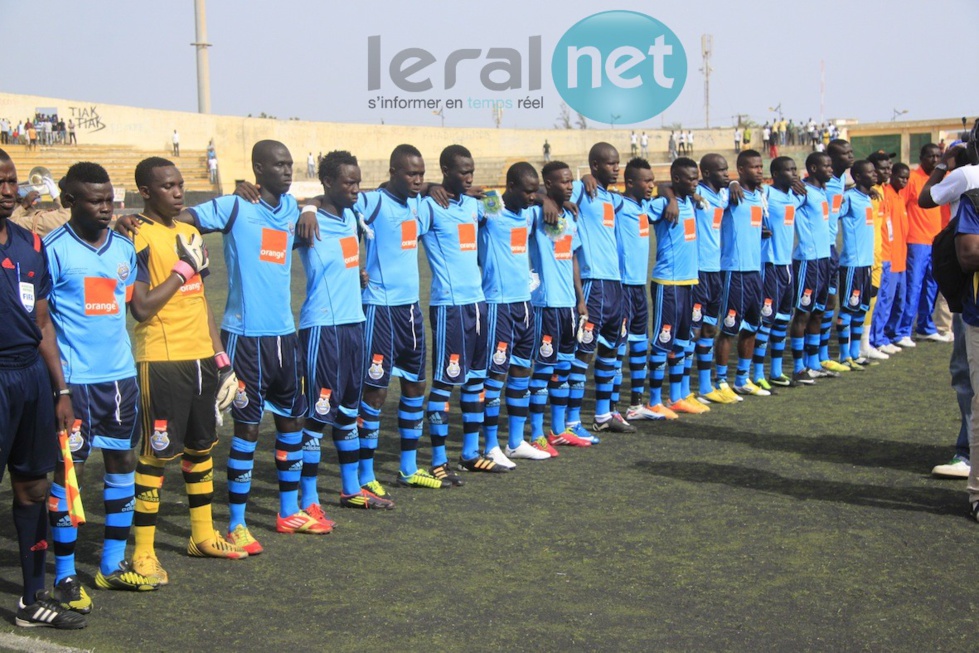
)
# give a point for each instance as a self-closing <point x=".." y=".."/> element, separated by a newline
<point x="309" y="58"/>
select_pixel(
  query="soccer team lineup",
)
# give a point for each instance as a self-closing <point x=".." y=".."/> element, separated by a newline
<point x="537" y="293"/>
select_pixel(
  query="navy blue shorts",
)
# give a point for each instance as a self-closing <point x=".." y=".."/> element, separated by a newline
<point x="855" y="289"/>
<point x="394" y="337"/>
<point x="509" y="335"/>
<point x="555" y="337"/>
<point x="707" y="299"/>
<point x="811" y="284"/>
<point x="777" y="293"/>
<point x="270" y="371"/>
<point x="741" y="302"/>
<point x="672" y="310"/>
<point x="177" y="406"/>
<point x="834" y="269"/>
<point x="335" y="367"/>
<point x="636" y="312"/>
<point x="106" y="416"/>
<point x="606" y="314"/>
<point x="28" y="445"/>
<point x="458" y="343"/>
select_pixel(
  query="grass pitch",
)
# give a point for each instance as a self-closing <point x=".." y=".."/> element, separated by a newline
<point x="805" y="521"/>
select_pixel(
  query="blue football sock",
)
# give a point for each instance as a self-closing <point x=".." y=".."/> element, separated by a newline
<point x="471" y="403"/>
<point x="558" y="390"/>
<point x="348" y="455"/>
<point x="776" y="344"/>
<point x="604" y="378"/>
<point x="491" y="412"/>
<point x="856" y="333"/>
<point x="410" y="416"/>
<point x="437" y="412"/>
<point x="241" y="460"/>
<point x="657" y="372"/>
<point x="517" y="408"/>
<point x="798" y="354"/>
<point x="289" y="466"/>
<point x="370" y="424"/>
<point x="577" y="390"/>
<point x="705" y="362"/>
<point x="843" y="334"/>
<point x="119" y="496"/>
<point x="761" y="348"/>
<point x="63" y="534"/>
<point x="638" y="352"/>
<point x="311" y="466"/>
<point x="741" y="375"/>
<point x="812" y="351"/>
<point x="538" y="398"/>
<point x="676" y="377"/>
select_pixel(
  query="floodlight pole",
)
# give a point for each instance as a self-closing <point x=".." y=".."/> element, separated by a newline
<point x="203" y="70"/>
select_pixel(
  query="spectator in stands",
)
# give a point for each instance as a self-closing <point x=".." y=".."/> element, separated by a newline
<point x="681" y="142"/>
<point x="31" y="136"/>
<point x="644" y="145"/>
<point x="547" y="151"/>
<point x="310" y="166"/>
<point x="690" y="142"/>
<point x="634" y="143"/>
<point x="62" y="132"/>
<point x="175" y="139"/>
<point x="71" y="132"/>
<point x="738" y="135"/>
<point x="212" y="169"/>
<point x="766" y="136"/>
<point x="4" y="126"/>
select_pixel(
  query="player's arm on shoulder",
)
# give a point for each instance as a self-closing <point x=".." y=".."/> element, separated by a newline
<point x="308" y="227"/>
<point x="670" y="210"/>
<point x="50" y="354"/>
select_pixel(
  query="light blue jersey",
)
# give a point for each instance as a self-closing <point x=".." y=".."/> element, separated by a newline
<point x="632" y="235"/>
<point x="599" y="257"/>
<point x="552" y="252"/>
<point x="452" y="251"/>
<point x="857" y="225"/>
<point x="782" y="208"/>
<point x="834" y="195"/>
<point x="676" y="243"/>
<point x="89" y="290"/>
<point x="741" y="233"/>
<point x="332" y="266"/>
<point x="812" y="226"/>
<point x="258" y="253"/>
<point x="391" y="247"/>
<point x="709" y="227"/>
<point x="504" y="255"/>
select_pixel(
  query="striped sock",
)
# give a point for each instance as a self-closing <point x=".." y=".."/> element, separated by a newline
<point x="410" y="416"/>
<point x="241" y="460"/>
<point x="63" y="534"/>
<point x="657" y="372"/>
<point x="491" y="412"/>
<point x="824" y="332"/>
<point x="312" y="454"/>
<point x="638" y="351"/>
<point x="843" y="334"/>
<point x="576" y="395"/>
<point x="676" y="376"/>
<point x="617" y="380"/>
<point x="149" y="481"/>
<point x="761" y="348"/>
<point x="856" y="333"/>
<point x="798" y="354"/>
<point x="368" y="424"/>
<point x="704" y="352"/>
<point x="118" y="496"/>
<point x="437" y="413"/>
<point x="517" y="408"/>
<point x="741" y="374"/>
<point x="812" y="350"/>
<point x="348" y="455"/>
<point x="777" y="344"/>
<point x="471" y="402"/>
<point x="289" y="467"/>
<point x="558" y="391"/>
<point x="604" y="379"/>
<point x="197" y="468"/>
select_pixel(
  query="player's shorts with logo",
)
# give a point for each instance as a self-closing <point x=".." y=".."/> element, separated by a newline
<point x="270" y="371"/>
<point x="509" y="335"/>
<point x="27" y="443"/>
<point x="834" y="269"/>
<point x="394" y="338"/>
<point x="458" y="343"/>
<point x="855" y="289"/>
<point x="334" y="369"/>
<point x="778" y="292"/>
<point x="106" y="416"/>
<point x="177" y="406"/>
<point x="741" y="303"/>
<point x="555" y="337"/>
<point x="811" y="284"/>
<point x="672" y="311"/>
<point x="706" y="299"/>
<point x="606" y="312"/>
<point x="636" y="312"/>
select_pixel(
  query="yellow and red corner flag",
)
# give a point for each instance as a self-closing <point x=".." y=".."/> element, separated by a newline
<point x="75" y="510"/>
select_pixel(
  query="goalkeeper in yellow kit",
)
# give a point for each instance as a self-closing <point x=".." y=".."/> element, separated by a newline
<point x="184" y="375"/>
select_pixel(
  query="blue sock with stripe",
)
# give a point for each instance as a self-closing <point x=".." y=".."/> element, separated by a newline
<point x="558" y="390"/>
<point x="471" y="402"/>
<point x="856" y="333"/>
<point x="617" y="381"/>
<point x="241" y="460"/>
<point x="437" y="413"/>
<point x="704" y="352"/>
<point x="63" y="534"/>
<point x="491" y="412"/>
<point x="369" y="423"/>
<point x="798" y="354"/>
<point x="761" y="348"/>
<point x="312" y="454"/>
<point x="579" y="370"/>
<point x="741" y="374"/>
<point x="824" y="333"/>
<point x="348" y="454"/>
<point x="538" y="398"/>
<point x="517" y="408"/>
<point x="687" y="368"/>
<point x="604" y="378"/>
<point x="843" y="334"/>
<point x="721" y="373"/>
<point x="410" y="416"/>
<point x="777" y="344"/>
<point x="676" y="376"/>
<point x="812" y="351"/>
<point x="638" y="352"/>
<point x="657" y="372"/>
<point x="119" y="497"/>
<point x="289" y="467"/>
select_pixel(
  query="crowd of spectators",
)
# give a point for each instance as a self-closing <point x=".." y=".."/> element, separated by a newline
<point x="42" y="129"/>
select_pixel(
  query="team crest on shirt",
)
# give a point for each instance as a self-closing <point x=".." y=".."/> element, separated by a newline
<point x="698" y="313"/>
<point x="376" y="370"/>
<point x="666" y="333"/>
<point x="322" y="406"/>
<point x="75" y="439"/>
<point x="731" y="318"/>
<point x="122" y="271"/>
<point x="453" y="369"/>
<point x="499" y="356"/>
<point x="241" y="397"/>
<point x="588" y="333"/>
<point x="160" y="439"/>
<point x="766" y="308"/>
<point x="806" y="297"/>
<point x="855" y="297"/>
<point x="546" y="348"/>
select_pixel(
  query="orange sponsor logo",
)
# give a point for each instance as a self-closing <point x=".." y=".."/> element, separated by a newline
<point x="869" y="217"/>
<point x="409" y="234"/>
<point x="274" y="246"/>
<point x="194" y="286"/>
<point x="100" y="296"/>
<point x="467" y="237"/>
<point x="643" y="225"/>
<point x="789" y="216"/>
<point x="562" y="248"/>
<point x="837" y="202"/>
<point x="825" y="211"/>
<point x="608" y="215"/>
<point x="756" y="216"/>
<point x="718" y="216"/>
<point x="350" y="251"/>
<point x="518" y="240"/>
<point x="690" y="229"/>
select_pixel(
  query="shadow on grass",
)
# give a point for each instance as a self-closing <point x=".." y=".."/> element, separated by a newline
<point x="827" y="447"/>
<point x="936" y="501"/>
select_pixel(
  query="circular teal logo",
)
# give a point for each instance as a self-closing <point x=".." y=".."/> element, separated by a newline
<point x="619" y="66"/>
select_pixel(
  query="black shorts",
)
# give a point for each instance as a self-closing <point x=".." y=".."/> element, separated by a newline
<point x="395" y="340"/>
<point x="606" y="314"/>
<point x="706" y="299"/>
<point x="811" y="284"/>
<point x="742" y="302"/>
<point x="270" y="371"/>
<point x="671" y="316"/>
<point x="636" y="312"/>
<point x="28" y="445"/>
<point x="509" y="335"/>
<point x="855" y="289"/>
<point x="777" y="293"/>
<point x="555" y="338"/>
<point x="458" y="343"/>
<point x="106" y="416"/>
<point x="334" y="370"/>
<point x="177" y="406"/>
